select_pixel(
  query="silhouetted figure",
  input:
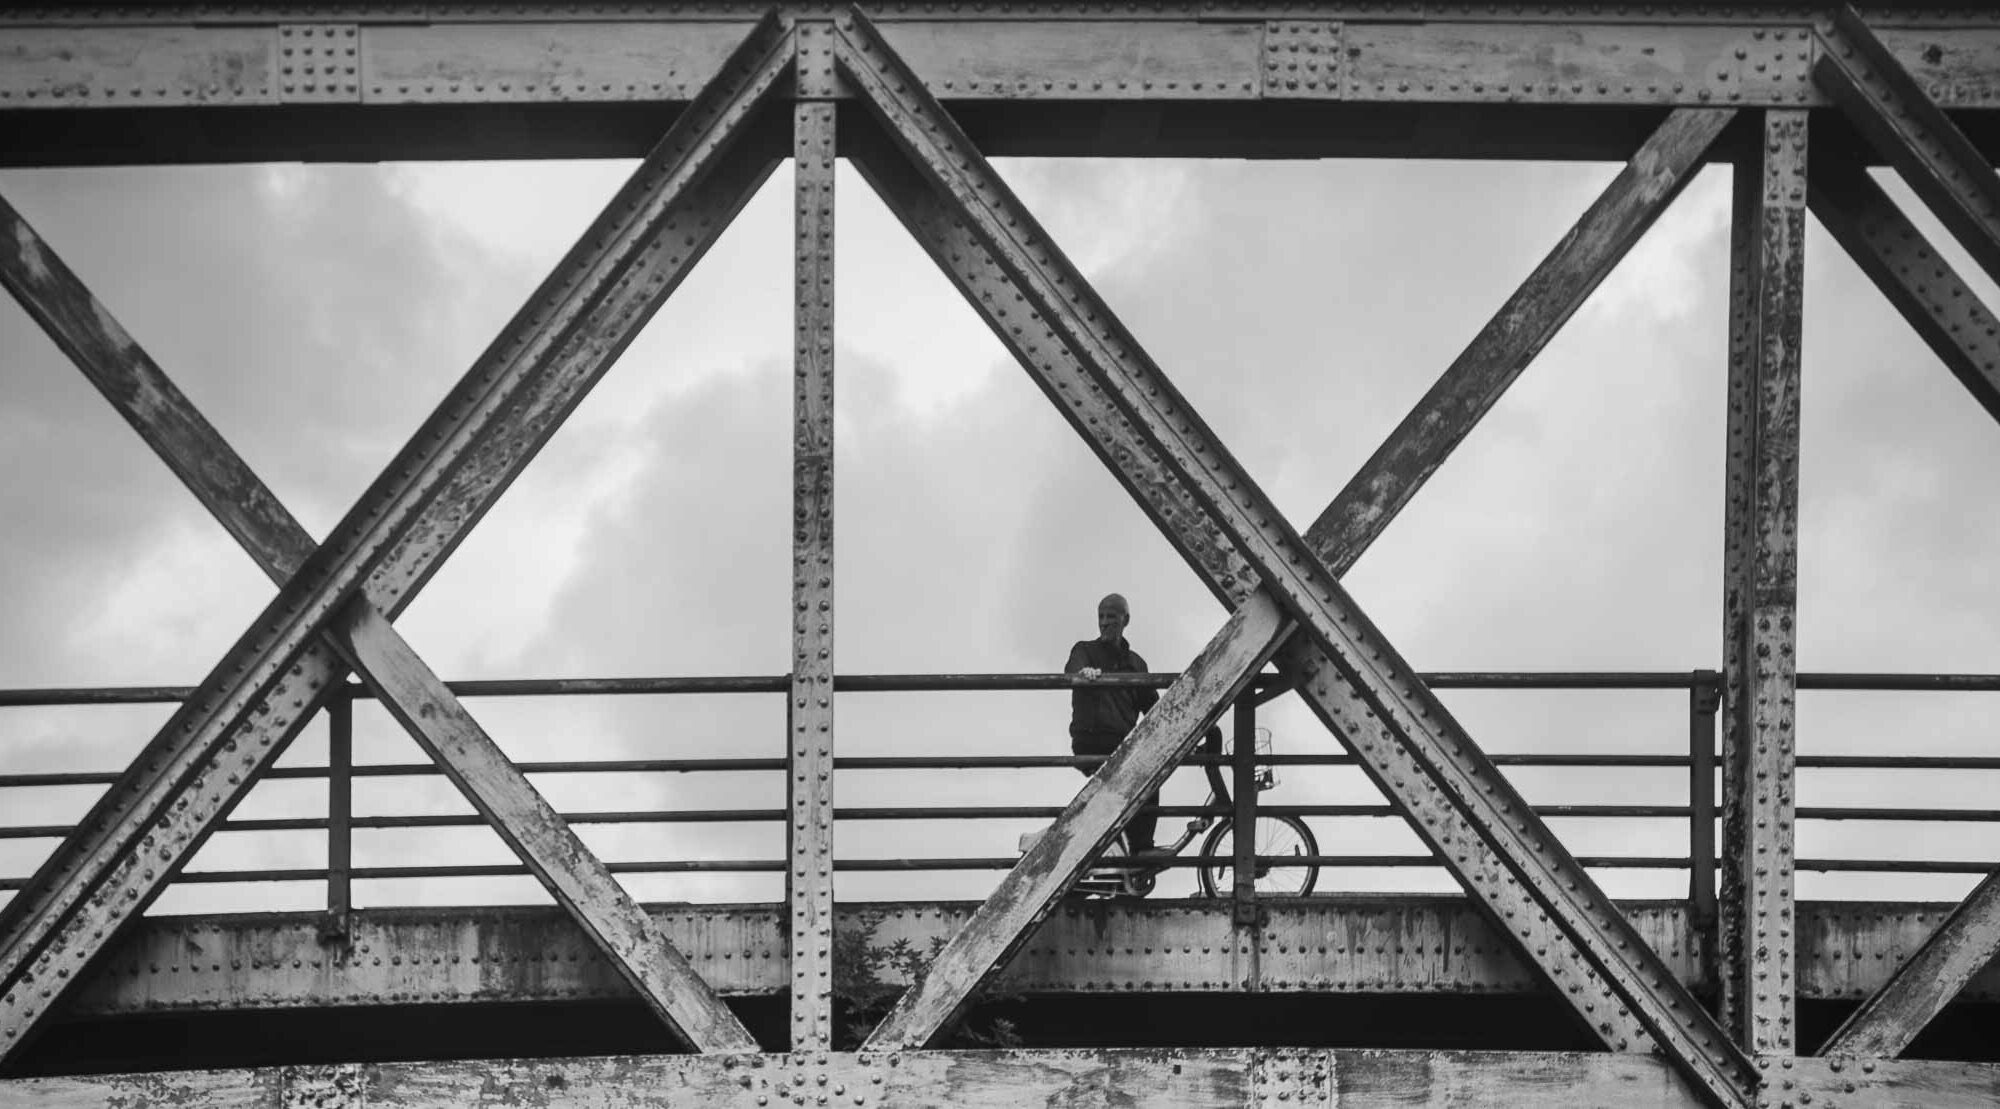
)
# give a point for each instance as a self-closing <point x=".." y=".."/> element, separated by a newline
<point x="1100" y="719"/>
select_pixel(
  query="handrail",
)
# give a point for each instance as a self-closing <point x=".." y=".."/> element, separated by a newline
<point x="1703" y="685"/>
<point x="947" y="683"/>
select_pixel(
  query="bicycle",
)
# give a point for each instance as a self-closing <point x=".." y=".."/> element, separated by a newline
<point x="1274" y="837"/>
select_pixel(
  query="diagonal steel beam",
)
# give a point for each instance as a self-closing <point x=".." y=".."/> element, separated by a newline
<point x="465" y="455"/>
<point x="1560" y="285"/>
<point x="1938" y="303"/>
<point x="1057" y="301"/>
<point x="1912" y="132"/>
<point x="1650" y="181"/>
<point x="164" y="417"/>
<point x="1961" y="947"/>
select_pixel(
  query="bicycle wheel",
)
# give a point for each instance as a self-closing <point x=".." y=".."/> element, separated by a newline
<point x="1276" y="837"/>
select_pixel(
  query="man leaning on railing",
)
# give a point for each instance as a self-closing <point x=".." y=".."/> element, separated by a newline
<point x="1101" y="718"/>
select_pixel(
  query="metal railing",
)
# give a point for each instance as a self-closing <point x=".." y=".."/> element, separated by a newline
<point x="1697" y="760"/>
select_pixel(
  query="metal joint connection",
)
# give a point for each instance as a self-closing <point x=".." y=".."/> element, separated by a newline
<point x="319" y="63"/>
<point x="1302" y="59"/>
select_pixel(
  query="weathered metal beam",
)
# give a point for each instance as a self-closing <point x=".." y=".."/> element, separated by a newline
<point x="1908" y="128"/>
<point x="577" y="879"/>
<point x="1532" y="316"/>
<point x="809" y="758"/>
<point x="1225" y="1078"/>
<point x="490" y="426"/>
<point x="1171" y="1079"/>
<point x="1354" y="944"/>
<point x="1963" y="945"/>
<point x="204" y="461"/>
<point x="1760" y="601"/>
<point x="1058" y="300"/>
<point x="382" y="61"/>
<point x="1922" y="285"/>
<point x="1215" y="559"/>
<point x="1006" y="919"/>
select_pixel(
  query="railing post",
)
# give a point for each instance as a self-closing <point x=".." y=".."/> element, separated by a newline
<point x="1704" y="699"/>
<point x="339" y="817"/>
<point x="1244" y="787"/>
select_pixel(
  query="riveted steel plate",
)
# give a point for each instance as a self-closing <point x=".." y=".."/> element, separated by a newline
<point x="319" y="63"/>
<point x="122" y="67"/>
<point x="1006" y="60"/>
<point x="485" y="63"/>
<point x="1959" y="68"/>
<point x="1302" y="59"/>
<point x="1285" y="1079"/>
<point x="1578" y="64"/>
<point x="1360" y="945"/>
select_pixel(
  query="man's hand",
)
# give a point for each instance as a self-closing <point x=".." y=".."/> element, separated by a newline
<point x="1090" y="672"/>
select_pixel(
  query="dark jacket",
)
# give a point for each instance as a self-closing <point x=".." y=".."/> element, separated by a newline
<point x="1100" y="718"/>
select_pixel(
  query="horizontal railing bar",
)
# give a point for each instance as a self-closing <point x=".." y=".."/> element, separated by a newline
<point x="851" y="762"/>
<point x="1025" y="762"/>
<point x="931" y="683"/>
<point x="1028" y="812"/>
<point x="748" y="866"/>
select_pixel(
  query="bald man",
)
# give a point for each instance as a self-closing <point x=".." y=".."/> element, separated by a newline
<point x="1100" y="719"/>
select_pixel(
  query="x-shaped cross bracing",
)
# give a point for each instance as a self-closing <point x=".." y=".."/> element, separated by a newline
<point x="1276" y="581"/>
<point x="336" y="600"/>
<point x="1282" y="588"/>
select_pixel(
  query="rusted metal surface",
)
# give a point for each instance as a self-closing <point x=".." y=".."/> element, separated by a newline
<point x="809" y="715"/>
<point x="571" y="54"/>
<point x="1761" y="589"/>
<point x="1963" y="946"/>
<point x="1349" y="944"/>
<point x="1861" y="1082"/>
<point x="1059" y="856"/>
<point x="258" y="697"/>
<point x="1060" y="302"/>
<point x="1909" y="130"/>
<point x="1262" y="1078"/>
<point x="1922" y="285"/>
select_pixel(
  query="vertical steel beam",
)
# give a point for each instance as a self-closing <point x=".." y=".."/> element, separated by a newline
<point x="1056" y="370"/>
<point x="466" y="454"/>
<point x="1760" y="603"/>
<point x="1244" y="782"/>
<point x="339" y="813"/>
<point x="1057" y="300"/>
<point x="1912" y="132"/>
<point x="809" y="833"/>
<point x="1942" y="308"/>
<point x="1704" y="698"/>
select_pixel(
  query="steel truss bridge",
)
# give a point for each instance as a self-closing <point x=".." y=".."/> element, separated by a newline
<point x="1532" y="986"/>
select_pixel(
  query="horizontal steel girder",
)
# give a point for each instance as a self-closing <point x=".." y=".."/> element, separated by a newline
<point x="1351" y="945"/>
<point x="576" y="54"/>
<point x="1220" y="1078"/>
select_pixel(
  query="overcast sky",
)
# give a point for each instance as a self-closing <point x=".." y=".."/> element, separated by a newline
<point x="317" y="313"/>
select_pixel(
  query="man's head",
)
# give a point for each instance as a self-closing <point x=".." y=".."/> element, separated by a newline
<point x="1112" y="616"/>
